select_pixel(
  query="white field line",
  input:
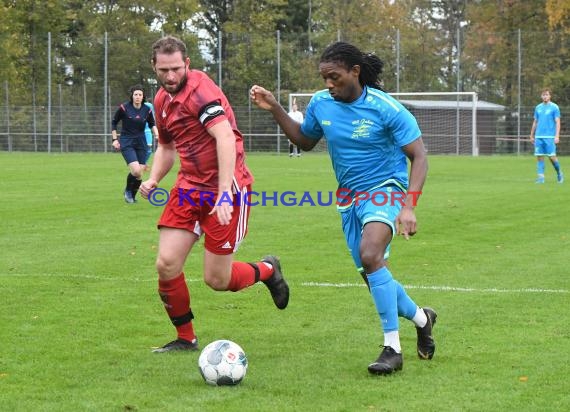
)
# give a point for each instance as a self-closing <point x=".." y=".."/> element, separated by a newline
<point x="441" y="288"/>
<point x="150" y="278"/>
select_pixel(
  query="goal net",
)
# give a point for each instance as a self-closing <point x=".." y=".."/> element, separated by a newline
<point x="448" y="120"/>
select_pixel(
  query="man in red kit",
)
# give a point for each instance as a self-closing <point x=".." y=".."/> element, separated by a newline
<point x="196" y="121"/>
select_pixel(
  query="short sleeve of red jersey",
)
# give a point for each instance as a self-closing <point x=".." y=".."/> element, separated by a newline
<point x="208" y="100"/>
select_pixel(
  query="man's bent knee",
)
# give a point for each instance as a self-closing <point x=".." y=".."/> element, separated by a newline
<point x="218" y="283"/>
<point x="371" y="262"/>
<point x="372" y="256"/>
<point x="167" y="270"/>
<point x="138" y="172"/>
<point x="136" y="169"/>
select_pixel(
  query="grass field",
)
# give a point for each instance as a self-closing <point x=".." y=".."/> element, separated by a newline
<point x="80" y="312"/>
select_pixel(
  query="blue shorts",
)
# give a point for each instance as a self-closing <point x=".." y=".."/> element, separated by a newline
<point x="379" y="208"/>
<point x="544" y="146"/>
<point x="134" y="149"/>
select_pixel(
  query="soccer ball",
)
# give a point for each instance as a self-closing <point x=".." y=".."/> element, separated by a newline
<point x="222" y="362"/>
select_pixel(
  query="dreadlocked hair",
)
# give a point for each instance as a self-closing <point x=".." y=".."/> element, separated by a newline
<point x="349" y="56"/>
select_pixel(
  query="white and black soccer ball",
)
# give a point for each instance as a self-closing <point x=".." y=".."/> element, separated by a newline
<point x="222" y="362"/>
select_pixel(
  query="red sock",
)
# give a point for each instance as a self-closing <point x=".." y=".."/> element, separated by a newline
<point x="246" y="274"/>
<point x="176" y="299"/>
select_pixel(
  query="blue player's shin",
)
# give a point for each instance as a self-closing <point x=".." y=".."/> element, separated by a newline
<point x="384" y="294"/>
<point x="383" y="289"/>
<point x="407" y="308"/>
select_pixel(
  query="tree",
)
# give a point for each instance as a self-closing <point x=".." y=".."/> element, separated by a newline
<point x="492" y="47"/>
<point x="448" y="16"/>
<point x="213" y="15"/>
<point x="247" y="29"/>
<point x="558" y="12"/>
<point x="374" y="25"/>
<point x="11" y="43"/>
<point x="29" y="22"/>
<point x="371" y="25"/>
<point x="130" y="28"/>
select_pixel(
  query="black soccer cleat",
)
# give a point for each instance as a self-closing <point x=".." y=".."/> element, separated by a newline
<point x="276" y="283"/>
<point x="389" y="361"/>
<point x="426" y="344"/>
<point x="178" y="345"/>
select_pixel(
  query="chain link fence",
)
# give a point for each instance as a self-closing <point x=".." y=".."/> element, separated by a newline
<point x="67" y="107"/>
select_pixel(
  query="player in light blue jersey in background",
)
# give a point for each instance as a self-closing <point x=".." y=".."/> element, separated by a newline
<point x="545" y="134"/>
<point x="148" y="134"/>
<point x="370" y="136"/>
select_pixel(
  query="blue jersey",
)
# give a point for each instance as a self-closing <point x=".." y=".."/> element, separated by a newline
<point x="147" y="130"/>
<point x="133" y="120"/>
<point x="545" y="115"/>
<point x="364" y="138"/>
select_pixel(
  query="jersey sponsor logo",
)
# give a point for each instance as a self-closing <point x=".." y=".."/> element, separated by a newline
<point x="362" y="128"/>
<point x="326" y="122"/>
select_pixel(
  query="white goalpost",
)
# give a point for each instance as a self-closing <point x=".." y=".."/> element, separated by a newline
<point x="448" y="120"/>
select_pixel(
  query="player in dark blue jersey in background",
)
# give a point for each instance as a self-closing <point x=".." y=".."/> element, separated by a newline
<point x="370" y="136"/>
<point x="134" y="116"/>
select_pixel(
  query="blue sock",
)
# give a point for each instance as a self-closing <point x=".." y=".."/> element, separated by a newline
<point x="385" y="296"/>
<point x="540" y="167"/>
<point x="556" y="165"/>
<point x="406" y="306"/>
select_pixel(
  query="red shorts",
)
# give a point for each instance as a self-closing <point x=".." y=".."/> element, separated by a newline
<point x="189" y="209"/>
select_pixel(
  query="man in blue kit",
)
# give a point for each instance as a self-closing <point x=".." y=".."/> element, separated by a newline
<point x="369" y="137"/>
<point x="545" y="134"/>
<point x="149" y="134"/>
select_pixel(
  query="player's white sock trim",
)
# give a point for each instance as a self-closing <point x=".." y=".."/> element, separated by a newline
<point x="392" y="339"/>
<point x="420" y="318"/>
<point x="269" y="265"/>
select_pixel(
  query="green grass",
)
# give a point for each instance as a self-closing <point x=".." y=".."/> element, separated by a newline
<point x="80" y="313"/>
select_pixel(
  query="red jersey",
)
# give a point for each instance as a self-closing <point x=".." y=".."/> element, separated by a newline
<point x="184" y="119"/>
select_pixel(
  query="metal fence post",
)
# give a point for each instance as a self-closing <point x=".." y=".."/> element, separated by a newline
<point x="220" y="59"/>
<point x="8" y="116"/>
<point x="49" y="95"/>
<point x="519" y="58"/>
<point x="397" y="60"/>
<point x="105" y="99"/>
<point x="278" y="86"/>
